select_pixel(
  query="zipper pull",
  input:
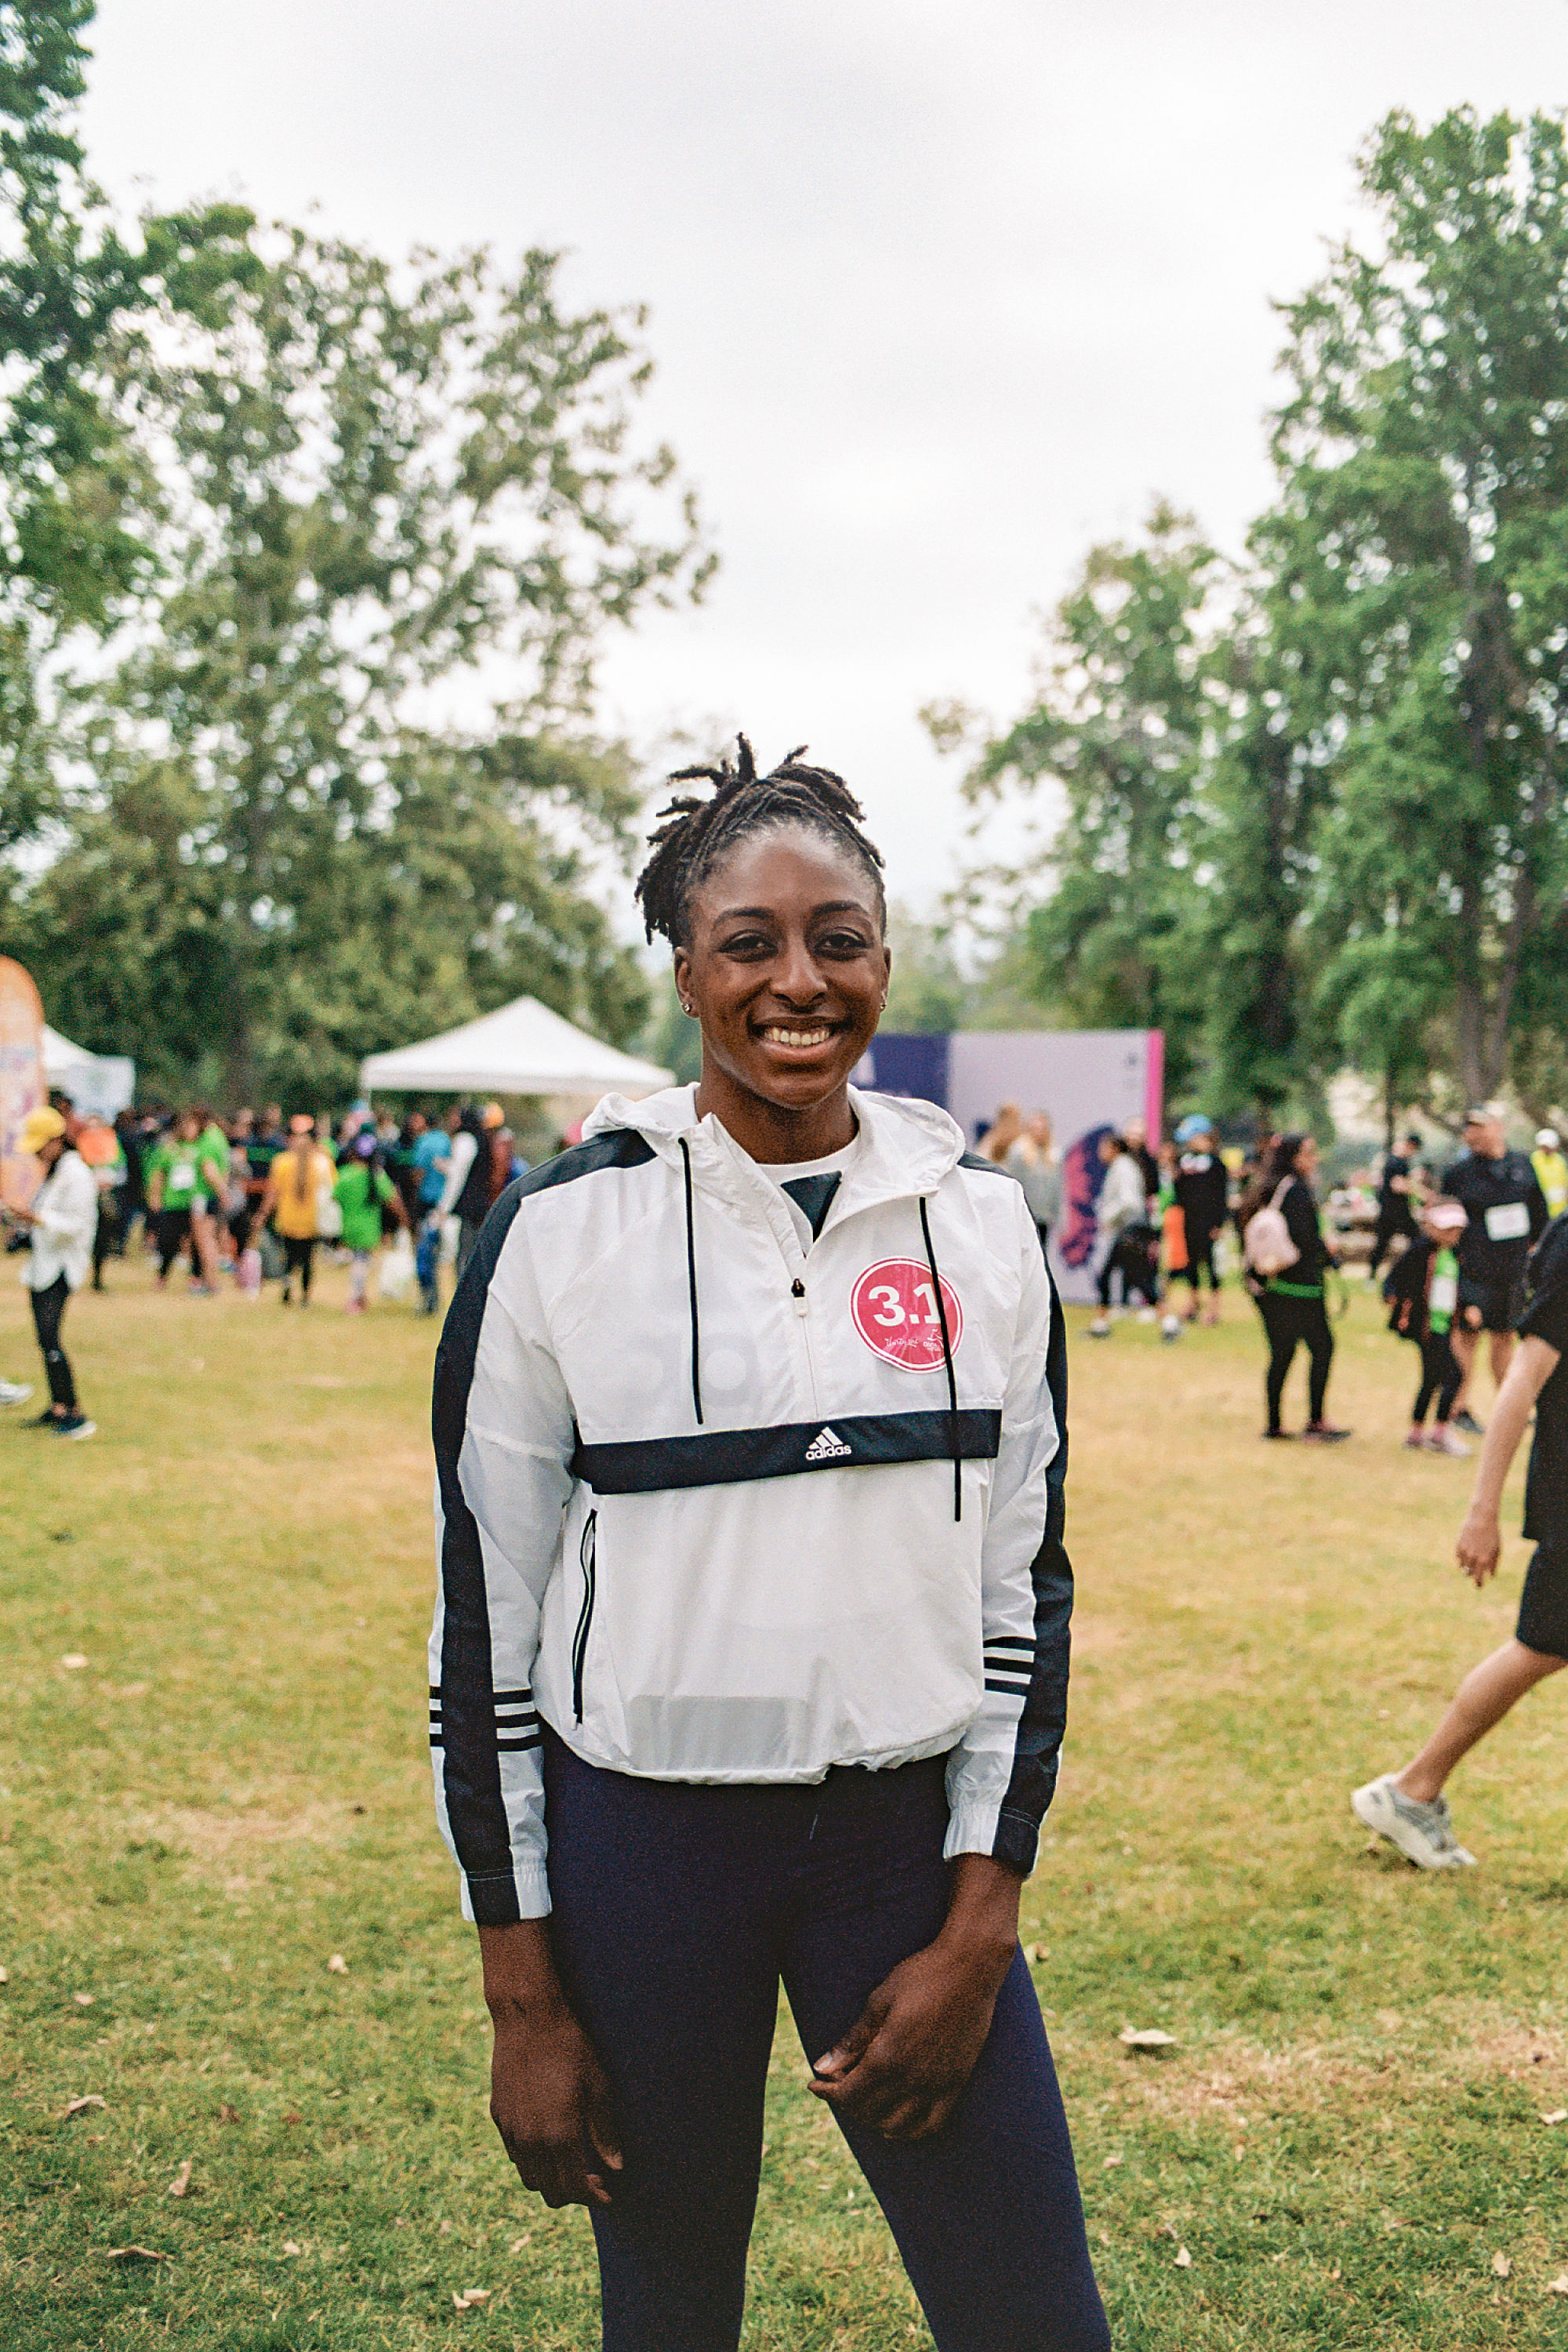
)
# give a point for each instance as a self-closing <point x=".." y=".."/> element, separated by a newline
<point x="797" y="1292"/>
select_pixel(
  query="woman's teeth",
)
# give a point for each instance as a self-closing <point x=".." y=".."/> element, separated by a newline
<point x="776" y="1034"/>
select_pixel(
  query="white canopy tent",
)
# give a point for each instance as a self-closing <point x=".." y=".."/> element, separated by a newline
<point x="104" y="1083"/>
<point x="523" y="1049"/>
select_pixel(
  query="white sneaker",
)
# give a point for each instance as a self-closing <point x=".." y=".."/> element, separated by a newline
<point x="1423" y="1834"/>
<point x="15" y="1392"/>
<point x="1170" y="1328"/>
<point x="1147" y="1315"/>
<point x="1100" y="1327"/>
<point x="1448" y="1441"/>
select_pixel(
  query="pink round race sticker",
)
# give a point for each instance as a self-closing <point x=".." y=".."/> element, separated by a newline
<point x="894" y="1308"/>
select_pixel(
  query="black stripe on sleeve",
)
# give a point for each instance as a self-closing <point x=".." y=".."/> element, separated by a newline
<point x="471" y="1748"/>
<point x="1037" y="1741"/>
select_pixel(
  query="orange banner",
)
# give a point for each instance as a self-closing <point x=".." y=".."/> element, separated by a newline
<point x="21" y="1079"/>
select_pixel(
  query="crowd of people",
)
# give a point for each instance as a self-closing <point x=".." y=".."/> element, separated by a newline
<point x="1451" y="1248"/>
<point x="249" y="1199"/>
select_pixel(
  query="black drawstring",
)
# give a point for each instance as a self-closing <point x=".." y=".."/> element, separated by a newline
<point x="691" y="1281"/>
<point x="947" y="1361"/>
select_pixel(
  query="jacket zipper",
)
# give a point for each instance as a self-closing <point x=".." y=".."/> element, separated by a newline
<point x="586" y="1554"/>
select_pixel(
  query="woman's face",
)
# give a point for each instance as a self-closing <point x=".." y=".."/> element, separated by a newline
<point x="1307" y="1160"/>
<point x="786" y="969"/>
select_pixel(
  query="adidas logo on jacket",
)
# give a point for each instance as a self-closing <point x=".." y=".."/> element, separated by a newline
<point x="719" y="1506"/>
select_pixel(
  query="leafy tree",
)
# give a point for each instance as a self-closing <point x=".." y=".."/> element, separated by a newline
<point x="377" y="478"/>
<point x="1421" y="547"/>
<point x="73" y="527"/>
<point x="1116" y="731"/>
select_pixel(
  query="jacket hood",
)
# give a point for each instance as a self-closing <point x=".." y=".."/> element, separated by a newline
<point x="909" y="1145"/>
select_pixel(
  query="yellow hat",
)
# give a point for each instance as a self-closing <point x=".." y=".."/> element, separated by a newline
<point x="40" y="1127"/>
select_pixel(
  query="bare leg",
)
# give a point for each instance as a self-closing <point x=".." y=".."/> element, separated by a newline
<point x="204" y="1246"/>
<point x="1463" y="1343"/>
<point x="1482" y="1699"/>
<point x="1502" y="1355"/>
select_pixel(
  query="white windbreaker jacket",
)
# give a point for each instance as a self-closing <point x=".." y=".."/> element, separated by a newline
<point x="718" y="1507"/>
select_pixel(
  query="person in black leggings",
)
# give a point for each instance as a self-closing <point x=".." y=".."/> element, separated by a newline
<point x="1291" y="1301"/>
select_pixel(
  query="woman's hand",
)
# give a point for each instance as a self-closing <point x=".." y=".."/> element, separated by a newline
<point x="549" y="2097"/>
<point x="906" y="2059"/>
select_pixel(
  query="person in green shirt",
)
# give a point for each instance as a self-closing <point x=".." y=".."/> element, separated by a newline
<point x="172" y="1172"/>
<point x="363" y="1190"/>
<point x="1423" y="1291"/>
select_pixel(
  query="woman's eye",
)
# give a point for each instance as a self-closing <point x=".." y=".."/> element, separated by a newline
<point x="748" y="943"/>
<point x="842" y="943"/>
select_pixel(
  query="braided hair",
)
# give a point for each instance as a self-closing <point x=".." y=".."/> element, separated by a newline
<point x="697" y="833"/>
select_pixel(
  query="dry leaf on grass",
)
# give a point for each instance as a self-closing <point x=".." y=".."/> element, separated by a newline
<point x="1145" y="2037"/>
<point x="228" y="2115"/>
<point x="1559" y="2285"/>
<point x="5" y="1979"/>
<point x="291" y="2248"/>
<point x="1183" y="2259"/>
<point x="518" y="2244"/>
<point x="181" y="2183"/>
<point x="1108" y="2162"/>
<point x="73" y="1662"/>
<point x="1501" y="2266"/>
<point x="133" y="2254"/>
<point x="470" y="2298"/>
<point x="83" y="1999"/>
<point x="1556" y="2116"/>
<point x="1037" y="1951"/>
<point x="80" y="2106"/>
<point x="338" y="1966"/>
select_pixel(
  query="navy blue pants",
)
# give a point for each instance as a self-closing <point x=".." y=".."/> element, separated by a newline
<point x="678" y="1910"/>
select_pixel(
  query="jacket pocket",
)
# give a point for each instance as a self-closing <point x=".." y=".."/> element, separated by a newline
<point x="587" y="1552"/>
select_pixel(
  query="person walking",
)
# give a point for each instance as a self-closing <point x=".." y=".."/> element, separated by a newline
<point x="1408" y="1806"/>
<point x="298" y="1182"/>
<point x="60" y="1224"/>
<point x="174" y="1185"/>
<point x="1202" y="1192"/>
<point x="99" y="1149"/>
<point x="362" y="1190"/>
<point x="1398" y="1195"/>
<point x="1551" y="1170"/>
<point x="1287" y="1282"/>
<point x="467" y="1192"/>
<point x="1507" y="1214"/>
<point x="1121" y="1212"/>
<point x="750" y="1652"/>
<point x="1423" y="1292"/>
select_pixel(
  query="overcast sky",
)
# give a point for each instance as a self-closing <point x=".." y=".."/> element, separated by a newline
<point x="942" y="290"/>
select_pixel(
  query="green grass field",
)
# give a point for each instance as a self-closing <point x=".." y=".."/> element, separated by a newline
<point x="1345" y="2147"/>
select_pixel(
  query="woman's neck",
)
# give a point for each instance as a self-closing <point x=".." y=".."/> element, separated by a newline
<point x="771" y="1132"/>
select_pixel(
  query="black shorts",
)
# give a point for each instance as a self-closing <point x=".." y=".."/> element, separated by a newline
<point x="1543" y="1604"/>
<point x="1494" y="1299"/>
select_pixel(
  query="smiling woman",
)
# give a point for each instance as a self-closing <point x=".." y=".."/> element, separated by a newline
<point x="764" y="1673"/>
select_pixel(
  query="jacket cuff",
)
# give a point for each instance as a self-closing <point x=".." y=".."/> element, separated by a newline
<point x="500" y="1897"/>
<point x="1010" y="1837"/>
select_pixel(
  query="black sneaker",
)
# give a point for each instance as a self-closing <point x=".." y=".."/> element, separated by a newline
<point x="74" y="1425"/>
<point x="1278" y="1436"/>
<point x="1467" y="1421"/>
<point x="45" y="1420"/>
<point x="1324" y="1432"/>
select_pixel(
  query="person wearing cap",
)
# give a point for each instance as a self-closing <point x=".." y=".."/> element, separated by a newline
<point x="1423" y="1293"/>
<point x="1551" y="1169"/>
<point x="1506" y="1212"/>
<point x="62" y="1221"/>
<point x="1202" y="1192"/>
<point x="1408" y="1806"/>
